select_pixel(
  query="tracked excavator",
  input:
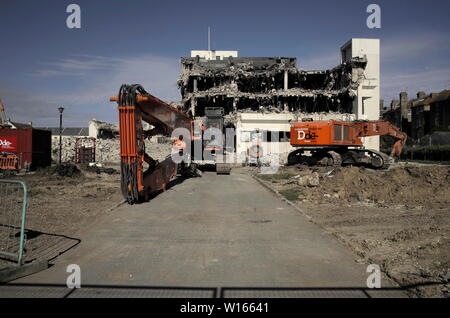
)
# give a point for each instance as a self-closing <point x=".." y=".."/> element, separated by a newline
<point x="336" y="143"/>
<point x="141" y="175"/>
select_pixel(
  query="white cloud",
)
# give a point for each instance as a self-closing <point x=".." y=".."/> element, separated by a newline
<point x="157" y="75"/>
<point x="94" y="80"/>
<point x="79" y="66"/>
<point x="22" y="106"/>
<point x="401" y="48"/>
<point x="412" y="82"/>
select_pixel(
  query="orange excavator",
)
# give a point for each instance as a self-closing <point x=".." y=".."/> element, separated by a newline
<point x="334" y="143"/>
<point x="138" y="182"/>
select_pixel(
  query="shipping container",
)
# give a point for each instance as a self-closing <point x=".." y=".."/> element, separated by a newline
<point x="31" y="146"/>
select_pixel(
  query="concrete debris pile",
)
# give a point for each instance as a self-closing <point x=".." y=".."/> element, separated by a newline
<point x="252" y="83"/>
<point x="274" y="159"/>
<point x="66" y="170"/>
<point x="103" y="130"/>
<point x="310" y="180"/>
<point x="107" y="150"/>
<point x="409" y="185"/>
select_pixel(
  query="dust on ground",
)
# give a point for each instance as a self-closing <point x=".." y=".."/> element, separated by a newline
<point x="60" y="206"/>
<point x="398" y="219"/>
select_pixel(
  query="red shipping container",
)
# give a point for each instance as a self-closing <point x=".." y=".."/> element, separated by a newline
<point x="31" y="146"/>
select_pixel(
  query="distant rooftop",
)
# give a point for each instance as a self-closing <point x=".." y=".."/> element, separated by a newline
<point x="433" y="98"/>
<point x="213" y="54"/>
<point x="68" y="131"/>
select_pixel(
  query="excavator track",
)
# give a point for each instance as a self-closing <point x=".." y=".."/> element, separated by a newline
<point x="336" y="158"/>
<point x="387" y="160"/>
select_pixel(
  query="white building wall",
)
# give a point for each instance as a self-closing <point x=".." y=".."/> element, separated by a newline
<point x="248" y="123"/>
<point x="213" y="54"/>
<point x="367" y="102"/>
<point x="93" y="129"/>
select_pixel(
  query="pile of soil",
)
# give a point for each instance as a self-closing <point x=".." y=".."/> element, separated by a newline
<point x="98" y="170"/>
<point x="66" y="170"/>
<point x="425" y="186"/>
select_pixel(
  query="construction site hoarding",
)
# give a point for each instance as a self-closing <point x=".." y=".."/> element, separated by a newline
<point x="31" y="146"/>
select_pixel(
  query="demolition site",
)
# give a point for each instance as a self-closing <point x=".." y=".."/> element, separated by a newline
<point x="285" y="171"/>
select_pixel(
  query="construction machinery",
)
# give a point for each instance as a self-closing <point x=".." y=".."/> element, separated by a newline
<point x="335" y="143"/>
<point x="141" y="175"/>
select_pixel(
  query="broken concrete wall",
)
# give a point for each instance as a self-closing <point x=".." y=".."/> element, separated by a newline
<point x="107" y="150"/>
<point x="267" y="83"/>
<point x="102" y="130"/>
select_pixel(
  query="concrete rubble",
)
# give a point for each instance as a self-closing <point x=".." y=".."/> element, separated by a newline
<point x="107" y="150"/>
<point x="274" y="84"/>
<point x="103" y="130"/>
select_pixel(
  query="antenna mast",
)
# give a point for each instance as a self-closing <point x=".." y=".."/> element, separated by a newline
<point x="209" y="38"/>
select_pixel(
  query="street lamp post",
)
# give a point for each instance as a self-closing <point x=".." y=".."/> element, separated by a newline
<point x="61" y="109"/>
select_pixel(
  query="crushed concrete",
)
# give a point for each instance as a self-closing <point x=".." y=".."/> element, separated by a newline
<point x="408" y="185"/>
<point x="107" y="150"/>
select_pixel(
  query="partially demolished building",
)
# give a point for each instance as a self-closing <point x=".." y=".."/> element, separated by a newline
<point x="271" y="92"/>
<point x="267" y="84"/>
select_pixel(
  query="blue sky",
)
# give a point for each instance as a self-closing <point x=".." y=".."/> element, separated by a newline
<point x="44" y="64"/>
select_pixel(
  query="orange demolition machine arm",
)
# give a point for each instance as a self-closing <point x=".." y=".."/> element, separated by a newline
<point x="379" y="128"/>
<point x="136" y="105"/>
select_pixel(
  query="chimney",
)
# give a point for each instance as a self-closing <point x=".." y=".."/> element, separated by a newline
<point x="404" y="104"/>
<point x="421" y="95"/>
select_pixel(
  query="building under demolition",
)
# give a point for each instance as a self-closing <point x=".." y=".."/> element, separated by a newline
<point x="266" y="93"/>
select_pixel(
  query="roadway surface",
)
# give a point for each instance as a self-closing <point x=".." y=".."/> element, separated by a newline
<point x="209" y="233"/>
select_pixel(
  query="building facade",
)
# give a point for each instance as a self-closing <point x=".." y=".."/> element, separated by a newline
<point x="367" y="100"/>
<point x="264" y="94"/>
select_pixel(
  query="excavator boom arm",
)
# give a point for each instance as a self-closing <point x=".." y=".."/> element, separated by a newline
<point x="136" y="105"/>
<point x="381" y="127"/>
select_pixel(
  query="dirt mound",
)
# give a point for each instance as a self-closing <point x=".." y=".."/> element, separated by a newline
<point x="66" y="170"/>
<point x="98" y="170"/>
<point x="409" y="185"/>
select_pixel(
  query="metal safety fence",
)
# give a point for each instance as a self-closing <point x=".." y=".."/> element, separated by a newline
<point x="13" y="210"/>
